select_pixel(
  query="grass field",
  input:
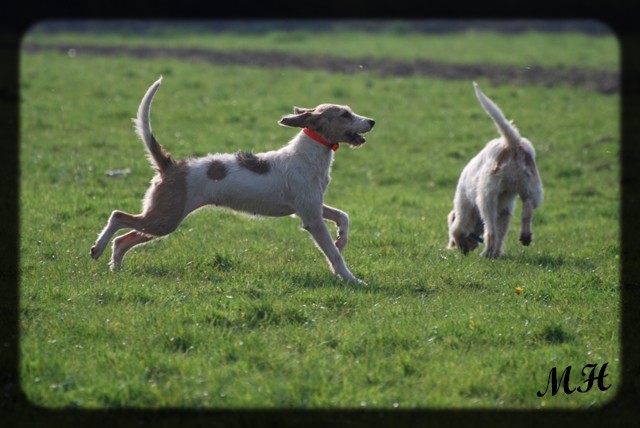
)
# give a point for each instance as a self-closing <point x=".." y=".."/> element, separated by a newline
<point x="530" y="48"/>
<point x="235" y="312"/>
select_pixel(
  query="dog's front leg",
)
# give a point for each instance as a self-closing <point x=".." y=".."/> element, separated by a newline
<point x="341" y="219"/>
<point x="318" y="229"/>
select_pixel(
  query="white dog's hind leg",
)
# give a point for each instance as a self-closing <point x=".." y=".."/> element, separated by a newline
<point x="527" y="215"/>
<point x="502" y="226"/>
<point x="113" y="225"/>
<point x="124" y="243"/>
<point x="492" y="239"/>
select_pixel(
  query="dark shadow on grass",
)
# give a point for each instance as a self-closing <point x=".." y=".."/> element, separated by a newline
<point x="554" y="334"/>
<point x="472" y="285"/>
<point x="422" y="290"/>
<point x="321" y="280"/>
<point x="555" y="261"/>
<point x="551" y="261"/>
<point x="202" y="265"/>
<point x="548" y="261"/>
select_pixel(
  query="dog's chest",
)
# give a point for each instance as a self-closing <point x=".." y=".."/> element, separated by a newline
<point x="309" y="172"/>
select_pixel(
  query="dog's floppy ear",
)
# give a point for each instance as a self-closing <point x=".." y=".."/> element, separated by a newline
<point x="298" y="119"/>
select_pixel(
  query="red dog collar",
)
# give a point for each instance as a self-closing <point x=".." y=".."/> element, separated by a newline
<point x="320" y="139"/>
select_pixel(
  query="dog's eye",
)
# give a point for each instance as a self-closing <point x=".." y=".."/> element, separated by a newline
<point x="346" y="114"/>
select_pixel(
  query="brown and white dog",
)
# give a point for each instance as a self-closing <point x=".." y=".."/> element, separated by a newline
<point x="290" y="180"/>
<point x="488" y="187"/>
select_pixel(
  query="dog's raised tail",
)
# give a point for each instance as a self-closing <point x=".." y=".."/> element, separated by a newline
<point x="505" y="127"/>
<point x="158" y="158"/>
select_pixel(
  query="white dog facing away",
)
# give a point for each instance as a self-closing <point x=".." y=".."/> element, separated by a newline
<point x="486" y="193"/>
<point x="288" y="181"/>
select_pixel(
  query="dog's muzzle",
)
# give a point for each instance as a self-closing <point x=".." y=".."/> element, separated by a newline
<point x="357" y="139"/>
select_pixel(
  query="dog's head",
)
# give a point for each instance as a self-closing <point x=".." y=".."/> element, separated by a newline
<point x="469" y="242"/>
<point x="336" y="123"/>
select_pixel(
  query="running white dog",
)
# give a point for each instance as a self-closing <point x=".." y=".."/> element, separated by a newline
<point x="291" y="180"/>
<point x="488" y="186"/>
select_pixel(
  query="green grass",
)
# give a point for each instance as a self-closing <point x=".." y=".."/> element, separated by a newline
<point x="467" y="47"/>
<point x="233" y="312"/>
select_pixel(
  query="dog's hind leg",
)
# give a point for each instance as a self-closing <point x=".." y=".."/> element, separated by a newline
<point x="492" y="236"/>
<point x="502" y="226"/>
<point x="163" y="211"/>
<point x="153" y="223"/>
<point x="124" y="243"/>
<point x="527" y="215"/>
<point x="115" y="223"/>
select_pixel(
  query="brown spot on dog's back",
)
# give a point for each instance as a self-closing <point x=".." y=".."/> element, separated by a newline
<point x="217" y="170"/>
<point x="252" y="162"/>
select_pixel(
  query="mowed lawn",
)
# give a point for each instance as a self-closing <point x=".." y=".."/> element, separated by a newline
<point x="231" y="311"/>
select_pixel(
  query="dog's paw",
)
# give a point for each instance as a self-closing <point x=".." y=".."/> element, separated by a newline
<point x="350" y="278"/>
<point x="491" y="253"/>
<point x="526" y="239"/>
<point x="95" y="252"/>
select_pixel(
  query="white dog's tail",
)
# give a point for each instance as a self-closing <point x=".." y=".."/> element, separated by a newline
<point x="158" y="158"/>
<point x="505" y="127"/>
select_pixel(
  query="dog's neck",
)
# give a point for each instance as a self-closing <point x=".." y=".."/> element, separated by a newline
<point x="320" y="139"/>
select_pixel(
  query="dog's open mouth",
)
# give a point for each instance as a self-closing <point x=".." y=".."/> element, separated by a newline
<point x="356" y="139"/>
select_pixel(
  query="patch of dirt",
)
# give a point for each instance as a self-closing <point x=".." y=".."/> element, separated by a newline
<point x="606" y="82"/>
